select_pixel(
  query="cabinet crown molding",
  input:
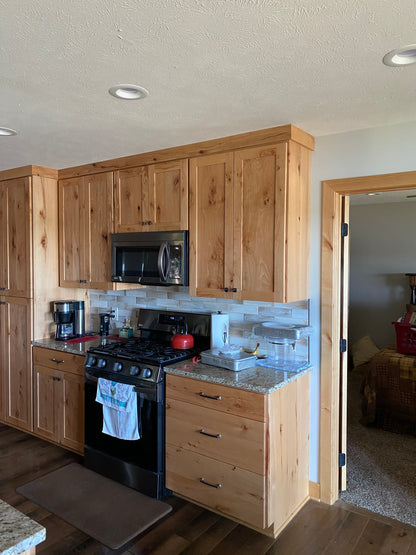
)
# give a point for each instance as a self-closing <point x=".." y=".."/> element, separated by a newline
<point x="261" y="137"/>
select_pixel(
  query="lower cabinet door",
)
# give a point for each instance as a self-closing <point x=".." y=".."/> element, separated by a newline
<point x="72" y="424"/>
<point x="220" y="486"/>
<point x="47" y="397"/>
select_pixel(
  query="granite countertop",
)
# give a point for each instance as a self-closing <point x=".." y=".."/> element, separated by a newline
<point x="258" y="378"/>
<point x="18" y="532"/>
<point x="74" y="348"/>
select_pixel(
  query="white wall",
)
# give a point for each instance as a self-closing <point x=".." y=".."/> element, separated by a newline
<point x="388" y="149"/>
<point x="382" y="251"/>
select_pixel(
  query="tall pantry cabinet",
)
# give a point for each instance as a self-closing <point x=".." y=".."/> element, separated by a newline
<point x="28" y="282"/>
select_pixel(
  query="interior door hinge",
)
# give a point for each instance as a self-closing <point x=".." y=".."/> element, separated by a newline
<point x="342" y="345"/>
<point x="344" y="229"/>
<point x="341" y="459"/>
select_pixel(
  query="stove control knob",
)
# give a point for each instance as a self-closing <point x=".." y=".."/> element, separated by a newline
<point x="91" y="361"/>
<point x="147" y="373"/>
<point x="118" y="367"/>
<point x="134" y="371"/>
<point x="102" y="363"/>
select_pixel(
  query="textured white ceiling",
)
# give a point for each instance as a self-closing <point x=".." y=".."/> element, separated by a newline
<point x="213" y="68"/>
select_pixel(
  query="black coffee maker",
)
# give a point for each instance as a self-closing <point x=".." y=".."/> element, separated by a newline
<point x="69" y="317"/>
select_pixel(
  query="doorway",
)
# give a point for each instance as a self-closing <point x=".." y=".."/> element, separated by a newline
<point x="332" y="404"/>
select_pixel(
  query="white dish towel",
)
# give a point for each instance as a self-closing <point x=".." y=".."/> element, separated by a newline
<point x="119" y="400"/>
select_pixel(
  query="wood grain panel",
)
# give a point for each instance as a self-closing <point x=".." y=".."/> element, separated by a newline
<point x="27" y="171"/>
<point x="210" y="226"/>
<point x="4" y="238"/>
<point x="254" y="222"/>
<point x="168" y="196"/>
<point x="72" y="412"/>
<point x="298" y="223"/>
<point x="19" y="234"/>
<point x="59" y="360"/>
<point x="232" y="400"/>
<point x="71" y="233"/>
<point x="17" y="369"/>
<point x="100" y="227"/>
<point x="241" y="441"/>
<point x="130" y="196"/>
<point x="240" y="493"/>
<point x="253" y="138"/>
<point x="289" y="451"/>
<point x="46" y="402"/>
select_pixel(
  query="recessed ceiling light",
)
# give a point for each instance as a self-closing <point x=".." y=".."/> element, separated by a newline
<point x="129" y="92"/>
<point x="401" y="56"/>
<point x="6" y="131"/>
<point x="372" y="194"/>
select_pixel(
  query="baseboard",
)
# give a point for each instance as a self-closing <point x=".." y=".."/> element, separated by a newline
<point x="315" y="491"/>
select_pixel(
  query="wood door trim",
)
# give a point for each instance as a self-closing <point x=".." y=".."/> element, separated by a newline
<point x="332" y="192"/>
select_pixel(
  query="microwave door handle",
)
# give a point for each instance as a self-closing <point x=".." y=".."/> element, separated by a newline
<point x="163" y="261"/>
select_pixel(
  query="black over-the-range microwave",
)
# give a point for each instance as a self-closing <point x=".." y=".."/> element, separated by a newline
<point x="150" y="258"/>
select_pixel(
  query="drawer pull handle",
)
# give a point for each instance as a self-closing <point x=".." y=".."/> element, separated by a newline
<point x="203" y="432"/>
<point x="217" y="398"/>
<point x="57" y="361"/>
<point x="202" y="480"/>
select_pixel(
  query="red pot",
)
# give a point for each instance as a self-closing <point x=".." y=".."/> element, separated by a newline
<point x="182" y="340"/>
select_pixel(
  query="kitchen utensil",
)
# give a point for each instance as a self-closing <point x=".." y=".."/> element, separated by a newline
<point x="182" y="339"/>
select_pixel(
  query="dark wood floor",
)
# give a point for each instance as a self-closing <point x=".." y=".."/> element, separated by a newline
<point x="317" y="530"/>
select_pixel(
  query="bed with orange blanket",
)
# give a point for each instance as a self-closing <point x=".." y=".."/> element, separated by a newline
<point x="388" y="392"/>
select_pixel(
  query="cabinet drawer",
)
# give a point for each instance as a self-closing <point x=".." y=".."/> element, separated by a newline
<point x="218" y="397"/>
<point x="66" y="362"/>
<point x="233" y="491"/>
<point x="225" y="437"/>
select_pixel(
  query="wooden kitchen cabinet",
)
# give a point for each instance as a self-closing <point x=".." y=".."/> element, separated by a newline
<point x="152" y="198"/>
<point x="15" y="362"/>
<point x="15" y="235"/>
<point x="59" y="397"/>
<point x="249" y="224"/>
<point x="85" y="225"/>
<point x="240" y="453"/>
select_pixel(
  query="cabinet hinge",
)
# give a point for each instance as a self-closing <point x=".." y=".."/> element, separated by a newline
<point x="342" y="345"/>
<point x="344" y="229"/>
<point x="341" y="459"/>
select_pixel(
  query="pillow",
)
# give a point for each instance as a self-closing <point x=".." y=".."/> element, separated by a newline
<point x="363" y="350"/>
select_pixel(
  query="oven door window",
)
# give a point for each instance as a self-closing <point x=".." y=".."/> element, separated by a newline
<point x="132" y="262"/>
<point x="145" y="452"/>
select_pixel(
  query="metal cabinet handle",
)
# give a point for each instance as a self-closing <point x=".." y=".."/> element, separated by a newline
<point x="203" y="432"/>
<point x="226" y="289"/>
<point x="83" y="281"/>
<point x="56" y="379"/>
<point x="202" y="480"/>
<point x="234" y="289"/>
<point x="217" y="398"/>
<point x="57" y="361"/>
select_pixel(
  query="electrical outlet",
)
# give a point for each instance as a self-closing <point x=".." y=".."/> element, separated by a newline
<point x="115" y="312"/>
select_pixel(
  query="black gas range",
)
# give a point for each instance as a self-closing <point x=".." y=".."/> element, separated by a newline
<point x="139" y="363"/>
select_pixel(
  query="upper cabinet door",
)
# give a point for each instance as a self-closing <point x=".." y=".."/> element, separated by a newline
<point x="168" y="196"/>
<point x="131" y="200"/>
<point x="100" y="225"/>
<point x="259" y="222"/>
<point x="73" y="233"/>
<point x="15" y="241"/>
<point x="211" y="226"/>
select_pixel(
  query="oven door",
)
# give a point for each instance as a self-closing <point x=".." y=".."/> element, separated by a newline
<point x="137" y="463"/>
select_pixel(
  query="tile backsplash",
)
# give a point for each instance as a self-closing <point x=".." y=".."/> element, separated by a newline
<point x="243" y="314"/>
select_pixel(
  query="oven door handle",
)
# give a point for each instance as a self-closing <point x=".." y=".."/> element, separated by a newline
<point x="153" y="392"/>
